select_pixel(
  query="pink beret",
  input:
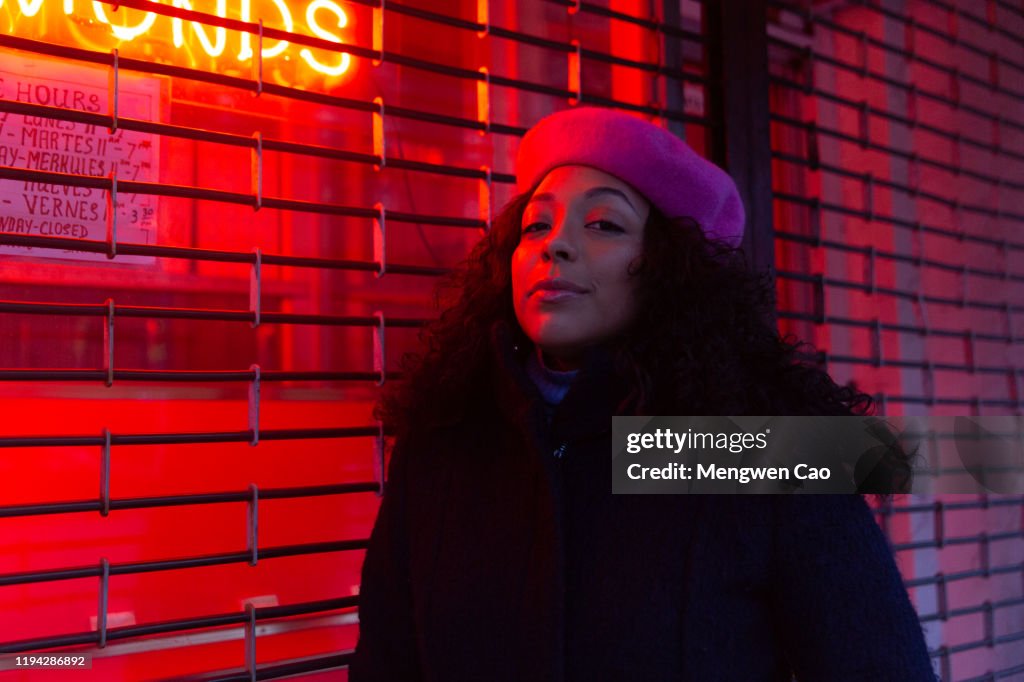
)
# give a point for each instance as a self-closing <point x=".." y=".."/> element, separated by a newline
<point x="656" y="163"/>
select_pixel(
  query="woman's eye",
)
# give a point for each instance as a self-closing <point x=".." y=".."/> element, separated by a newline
<point x="533" y="227"/>
<point x="606" y="226"/>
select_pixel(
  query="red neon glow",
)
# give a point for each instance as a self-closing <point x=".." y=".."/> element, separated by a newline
<point x="96" y="25"/>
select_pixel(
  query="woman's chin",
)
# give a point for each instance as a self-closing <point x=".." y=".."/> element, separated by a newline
<point x="560" y="349"/>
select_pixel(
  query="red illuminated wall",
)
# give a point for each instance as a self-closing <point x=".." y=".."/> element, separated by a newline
<point x="247" y="187"/>
<point x="898" y="138"/>
<point x="257" y="188"/>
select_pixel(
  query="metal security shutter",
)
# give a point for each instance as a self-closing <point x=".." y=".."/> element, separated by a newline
<point x="219" y="230"/>
<point x="897" y="132"/>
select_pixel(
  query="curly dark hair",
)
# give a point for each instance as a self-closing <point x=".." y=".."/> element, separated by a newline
<point x="702" y="343"/>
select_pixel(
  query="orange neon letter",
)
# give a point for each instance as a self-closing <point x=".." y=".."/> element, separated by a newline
<point x="326" y="35"/>
<point x="121" y="32"/>
<point x="221" y="33"/>
<point x="282" y="45"/>
<point x="29" y="8"/>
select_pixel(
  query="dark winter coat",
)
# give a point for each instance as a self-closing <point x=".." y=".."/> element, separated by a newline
<point x="499" y="553"/>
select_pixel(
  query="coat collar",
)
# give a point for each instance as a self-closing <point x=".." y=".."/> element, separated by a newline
<point x="585" y="411"/>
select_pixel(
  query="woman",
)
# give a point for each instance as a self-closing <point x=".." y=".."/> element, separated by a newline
<point x="610" y="285"/>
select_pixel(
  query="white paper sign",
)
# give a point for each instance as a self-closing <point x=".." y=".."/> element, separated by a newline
<point x="46" y="144"/>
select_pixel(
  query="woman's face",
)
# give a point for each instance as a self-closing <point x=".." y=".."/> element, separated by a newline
<point x="571" y="286"/>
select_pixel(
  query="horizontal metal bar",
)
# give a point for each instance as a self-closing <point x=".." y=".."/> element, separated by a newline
<point x="245" y="141"/>
<point x="181" y="625"/>
<point x="383" y="55"/>
<point x="185" y="73"/>
<point x="926" y="94"/>
<point x="914" y="296"/>
<point x="155" y="312"/>
<point x="275" y="670"/>
<point x="904" y="328"/>
<point x="984" y="643"/>
<point x="442" y="119"/>
<point x="57" y="641"/>
<point x="898" y="118"/>
<point x="907" y="87"/>
<point x="952" y="505"/>
<point x="124" y="63"/>
<point x="896" y="222"/>
<point x="188" y="438"/>
<point x="213" y="635"/>
<point x="549" y="43"/>
<point x="222" y="196"/>
<point x="969" y="402"/>
<point x="973" y="18"/>
<point x="971" y="610"/>
<point x="922" y="544"/>
<point x="914" y="192"/>
<point x="252" y="28"/>
<point x="426" y="15"/>
<point x="76" y="506"/>
<point x="957" y="471"/>
<point x="951" y="437"/>
<point x="996" y="674"/>
<point x="822" y="20"/>
<point x="441" y="169"/>
<point x="583" y="6"/>
<point x="963" y="575"/>
<point x="416" y="218"/>
<point x="677" y="74"/>
<point x="916" y="364"/>
<point x="249" y="85"/>
<point x="309" y="41"/>
<point x="648" y="110"/>
<point x="909" y="22"/>
<point x="143" y="66"/>
<point x="1010" y="8"/>
<point x="132" y="568"/>
<point x="965" y="539"/>
<point x="211" y="255"/>
<point x="186" y="376"/>
<point x="599" y="10"/>
<point x="919" y="261"/>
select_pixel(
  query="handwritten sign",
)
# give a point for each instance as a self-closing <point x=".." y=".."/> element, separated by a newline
<point x="46" y="144"/>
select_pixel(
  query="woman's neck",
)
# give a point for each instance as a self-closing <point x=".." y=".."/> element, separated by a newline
<point x="553" y="384"/>
<point x="559" y="364"/>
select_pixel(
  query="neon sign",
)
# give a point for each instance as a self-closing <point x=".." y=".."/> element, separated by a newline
<point x="101" y="26"/>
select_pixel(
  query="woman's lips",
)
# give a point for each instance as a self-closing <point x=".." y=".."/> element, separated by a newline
<point x="553" y="289"/>
<point x="556" y="295"/>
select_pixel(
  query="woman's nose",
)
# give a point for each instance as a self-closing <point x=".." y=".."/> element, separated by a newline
<point x="558" y="245"/>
